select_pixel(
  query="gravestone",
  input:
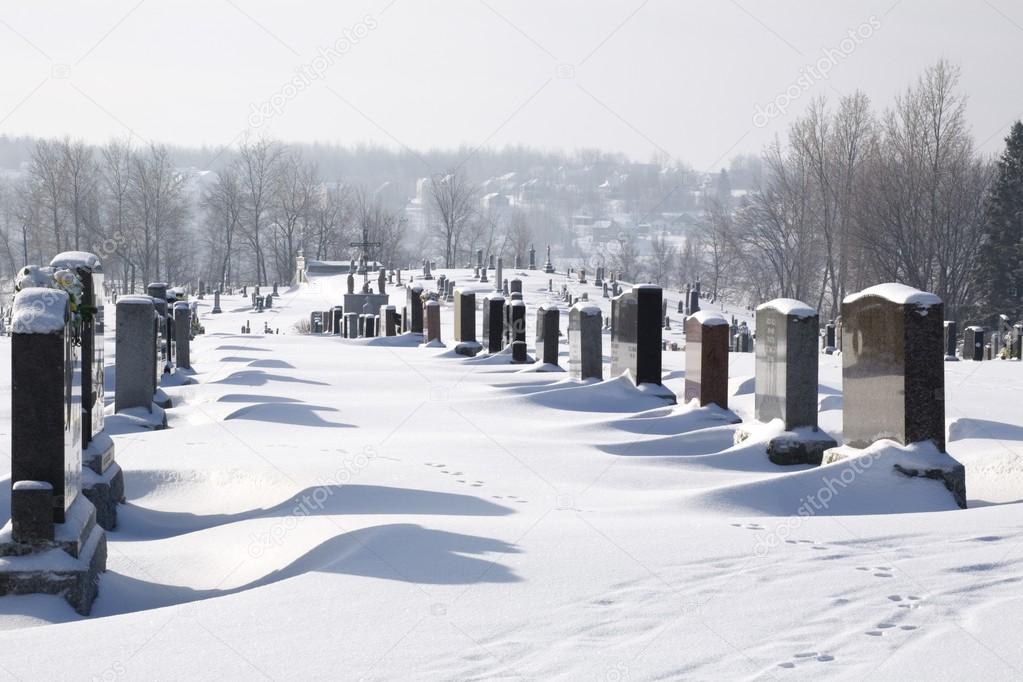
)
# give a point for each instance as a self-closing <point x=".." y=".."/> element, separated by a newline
<point x="1017" y="342"/>
<point x="499" y="272"/>
<point x="135" y="381"/>
<point x="49" y="515"/>
<point x="415" y="309"/>
<point x="432" y="312"/>
<point x="973" y="339"/>
<point x="382" y="282"/>
<point x="636" y="335"/>
<point x="350" y="284"/>
<point x="893" y="380"/>
<point x="951" y="340"/>
<point x="548" y="331"/>
<point x="182" y="334"/>
<point x="585" y="340"/>
<point x="548" y="266"/>
<point x="515" y="286"/>
<point x="389" y="317"/>
<point x="532" y="257"/>
<point x="216" y="303"/>
<point x="465" y="324"/>
<point x="336" y="319"/>
<point x="268" y="301"/>
<point x="493" y="323"/>
<point x="274" y="292"/>
<point x="707" y="359"/>
<point x="517" y="331"/>
<point x="351" y="325"/>
<point x="479" y="259"/>
<point x="483" y="274"/>
<point x="786" y="380"/>
<point x="694" y="301"/>
<point x="892" y="374"/>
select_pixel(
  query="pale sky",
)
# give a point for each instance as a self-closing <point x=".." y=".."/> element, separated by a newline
<point x="683" y="77"/>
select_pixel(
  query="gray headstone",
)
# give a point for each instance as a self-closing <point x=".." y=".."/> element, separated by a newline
<point x="182" y="334"/>
<point x="786" y="363"/>
<point x="135" y="380"/>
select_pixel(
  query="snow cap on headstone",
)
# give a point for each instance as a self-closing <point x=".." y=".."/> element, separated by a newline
<point x="897" y="293"/>
<point x="76" y="259"/>
<point x="38" y="310"/>
<point x="789" y="307"/>
<point x="586" y="308"/>
<point x="708" y="318"/>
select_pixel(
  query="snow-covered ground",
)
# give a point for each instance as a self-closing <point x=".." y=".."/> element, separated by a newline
<point x="335" y="509"/>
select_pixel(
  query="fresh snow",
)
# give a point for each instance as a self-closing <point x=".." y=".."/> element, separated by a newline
<point x="321" y="508"/>
<point x="76" y="259"/>
<point x="788" y="306"/>
<point x="709" y="318"/>
<point x="896" y="293"/>
<point x="39" y="310"/>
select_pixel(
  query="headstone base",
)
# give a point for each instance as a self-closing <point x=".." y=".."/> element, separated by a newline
<point x="951" y="358"/>
<point x="804" y="446"/>
<point x="939" y="467"/>
<point x="162" y="400"/>
<point x="67" y="566"/>
<point x="103" y="480"/>
<point x="469" y="349"/>
<point x="154" y="419"/>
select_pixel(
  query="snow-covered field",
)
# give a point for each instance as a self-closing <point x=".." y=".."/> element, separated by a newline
<point x="334" y="509"/>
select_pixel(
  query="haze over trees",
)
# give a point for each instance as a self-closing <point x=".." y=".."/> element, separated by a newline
<point x="852" y="195"/>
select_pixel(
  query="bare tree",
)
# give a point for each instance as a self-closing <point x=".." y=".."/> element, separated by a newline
<point x="662" y="257"/>
<point x="222" y="204"/>
<point x="294" y="194"/>
<point x="258" y="168"/>
<point x="452" y="196"/>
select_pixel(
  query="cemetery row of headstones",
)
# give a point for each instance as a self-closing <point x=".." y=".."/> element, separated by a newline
<point x="65" y="482"/>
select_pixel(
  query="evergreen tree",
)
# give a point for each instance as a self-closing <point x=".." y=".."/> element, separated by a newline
<point x="1001" y="262"/>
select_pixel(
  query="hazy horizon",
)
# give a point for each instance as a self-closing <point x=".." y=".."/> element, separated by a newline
<point x="688" y="81"/>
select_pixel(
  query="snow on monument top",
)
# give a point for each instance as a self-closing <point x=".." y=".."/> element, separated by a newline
<point x="708" y="318"/>
<point x="39" y="311"/>
<point x="135" y="299"/>
<point x="789" y="306"/>
<point x="76" y="259"/>
<point x="897" y="293"/>
<point x="587" y="308"/>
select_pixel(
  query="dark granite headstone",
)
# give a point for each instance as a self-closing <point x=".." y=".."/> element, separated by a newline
<point x="893" y="375"/>
<point x="182" y="334"/>
<point x="493" y="323"/>
<point x="216" y="303"/>
<point x="636" y="340"/>
<point x="707" y="359"/>
<point x="951" y="339"/>
<point x="46" y="397"/>
<point x="585" y="357"/>
<point x="415" y="308"/>
<point x="973" y="343"/>
<point x="548" y="329"/>
<point x="336" y="316"/>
